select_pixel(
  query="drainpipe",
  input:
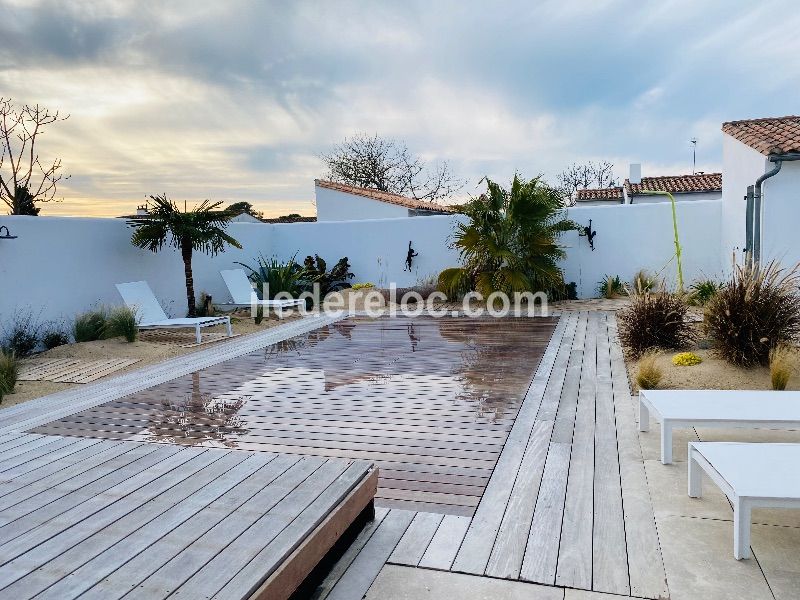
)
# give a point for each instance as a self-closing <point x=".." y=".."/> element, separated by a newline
<point x="778" y="159"/>
<point x="757" y="193"/>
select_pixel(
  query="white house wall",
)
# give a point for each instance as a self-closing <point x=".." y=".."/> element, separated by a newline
<point x="780" y="238"/>
<point x="687" y="197"/>
<point x="333" y="205"/>
<point x="741" y="167"/>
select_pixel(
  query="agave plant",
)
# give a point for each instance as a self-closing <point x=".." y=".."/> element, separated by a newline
<point x="274" y="276"/>
<point x="510" y="243"/>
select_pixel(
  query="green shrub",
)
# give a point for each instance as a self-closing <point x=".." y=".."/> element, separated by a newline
<point x="9" y="370"/>
<point x="90" y="326"/>
<point x="649" y="374"/>
<point x="655" y="320"/>
<point x="22" y="337"/>
<point x="363" y="286"/>
<point x="122" y="322"/>
<point x="54" y="335"/>
<point x="754" y="313"/>
<point x="701" y="292"/>
<point x="611" y="287"/>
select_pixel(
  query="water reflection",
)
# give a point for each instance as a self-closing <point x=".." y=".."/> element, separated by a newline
<point x="423" y="372"/>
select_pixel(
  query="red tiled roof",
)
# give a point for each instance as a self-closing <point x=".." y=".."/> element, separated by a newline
<point x="612" y="193"/>
<point x="383" y="196"/>
<point x="776" y="135"/>
<point x="677" y="184"/>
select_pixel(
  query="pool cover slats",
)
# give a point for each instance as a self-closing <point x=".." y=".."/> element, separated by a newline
<point x="149" y="520"/>
<point x="429" y="401"/>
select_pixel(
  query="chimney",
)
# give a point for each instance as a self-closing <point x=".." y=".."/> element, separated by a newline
<point x="635" y="175"/>
<point x="142" y="211"/>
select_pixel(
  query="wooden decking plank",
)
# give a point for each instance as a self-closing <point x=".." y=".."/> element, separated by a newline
<point x="445" y="509"/>
<point x="57" y="473"/>
<point x="136" y="481"/>
<point x="260" y="547"/>
<point x="129" y="575"/>
<point x="473" y="556"/>
<point x="610" y="553"/>
<point x="227" y="491"/>
<point x="225" y="472"/>
<point x="355" y="582"/>
<point x="541" y="553"/>
<point x="412" y="545"/>
<point x="348" y="495"/>
<point x="444" y="546"/>
<point x="19" y="515"/>
<point x="574" y="567"/>
<point x="348" y="556"/>
<point x="41" y="445"/>
<point x="645" y="563"/>
<point x="38" y="467"/>
<point x="505" y="560"/>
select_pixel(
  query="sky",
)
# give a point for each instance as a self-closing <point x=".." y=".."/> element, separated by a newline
<point x="237" y="100"/>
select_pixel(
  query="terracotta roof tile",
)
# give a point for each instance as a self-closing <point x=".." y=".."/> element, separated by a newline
<point x="384" y="196"/>
<point x="677" y="184"/>
<point x="776" y="135"/>
<point x="612" y="193"/>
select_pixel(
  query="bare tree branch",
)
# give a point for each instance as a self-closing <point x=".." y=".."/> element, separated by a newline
<point x="24" y="180"/>
<point x="387" y="165"/>
<point x="584" y="176"/>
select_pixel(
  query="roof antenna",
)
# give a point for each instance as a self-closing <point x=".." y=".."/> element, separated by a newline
<point x="693" y="142"/>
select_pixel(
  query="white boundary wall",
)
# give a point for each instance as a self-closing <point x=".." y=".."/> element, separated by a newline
<point x="58" y="267"/>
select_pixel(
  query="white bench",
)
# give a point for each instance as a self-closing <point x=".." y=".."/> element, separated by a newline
<point x="244" y="296"/>
<point x="716" y="408"/>
<point x="751" y="476"/>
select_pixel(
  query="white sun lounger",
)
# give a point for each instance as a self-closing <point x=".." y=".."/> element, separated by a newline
<point x="751" y="475"/>
<point x="138" y="296"/>
<point x="244" y="296"/>
<point x="716" y="408"/>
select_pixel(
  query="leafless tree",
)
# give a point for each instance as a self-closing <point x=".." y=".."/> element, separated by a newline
<point x="24" y="179"/>
<point x="584" y="176"/>
<point x="387" y="165"/>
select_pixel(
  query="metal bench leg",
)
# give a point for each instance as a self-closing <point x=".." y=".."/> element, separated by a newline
<point x="695" y="477"/>
<point x="197" y="333"/>
<point x="666" y="442"/>
<point x="741" y="529"/>
<point x="228" y="327"/>
<point x="644" y="416"/>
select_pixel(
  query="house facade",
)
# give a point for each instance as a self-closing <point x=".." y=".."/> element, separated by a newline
<point x="764" y="155"/>
<point x="341" y="202"/>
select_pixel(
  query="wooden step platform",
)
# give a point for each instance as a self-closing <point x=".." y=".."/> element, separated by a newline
<point x="71" y="370"/>
<point x="102" y="519"/>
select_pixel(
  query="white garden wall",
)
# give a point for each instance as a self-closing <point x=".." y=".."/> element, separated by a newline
<point x="58" y="267"/>
<point x="640" y="236"/>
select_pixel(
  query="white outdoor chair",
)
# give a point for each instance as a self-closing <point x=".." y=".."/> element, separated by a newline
<point x="138" y="296"/>
<point x="244" y="296"/>
<point x="751" y="475"/>
<point x="716" y="408"/>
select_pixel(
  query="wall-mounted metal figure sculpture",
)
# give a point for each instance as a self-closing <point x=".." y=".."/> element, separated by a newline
<point x="589" y="234"/>
<point x="410" y="257"/>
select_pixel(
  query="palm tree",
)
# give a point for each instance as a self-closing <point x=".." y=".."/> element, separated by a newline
<point x="202" y="228"/>
<point x="510" y="243"/>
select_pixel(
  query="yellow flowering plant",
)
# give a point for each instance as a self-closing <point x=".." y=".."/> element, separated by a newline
<point x="686" y="359"/>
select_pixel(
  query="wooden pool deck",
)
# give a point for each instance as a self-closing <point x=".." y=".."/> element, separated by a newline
<point x="104" y="519"/>
<point x="566" y="503"/>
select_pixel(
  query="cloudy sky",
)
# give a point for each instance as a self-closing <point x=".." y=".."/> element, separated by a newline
<point x="236" y="100"/>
